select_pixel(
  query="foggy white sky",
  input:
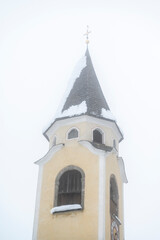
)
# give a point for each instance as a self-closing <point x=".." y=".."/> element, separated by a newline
<point x="40" y="42"/>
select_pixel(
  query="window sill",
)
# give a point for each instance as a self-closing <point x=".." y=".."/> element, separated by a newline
<point x="65" y="208"/>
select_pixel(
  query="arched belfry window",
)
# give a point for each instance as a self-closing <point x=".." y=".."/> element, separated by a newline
<point x="73" y="133"/>
<point x="114" y="197"/>
<point x="69" y="191"/>
<point x="69" y="187"/>
<point x="98" y="136"/>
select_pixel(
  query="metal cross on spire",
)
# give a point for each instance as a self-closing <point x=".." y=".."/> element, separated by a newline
<point x="86" y="34"/>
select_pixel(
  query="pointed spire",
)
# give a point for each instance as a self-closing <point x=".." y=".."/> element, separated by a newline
<point x="85" y="97"/>
<point x="86" y="34"/>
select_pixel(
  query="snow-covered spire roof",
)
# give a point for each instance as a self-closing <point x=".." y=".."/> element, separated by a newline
<point x="84" y="95"/>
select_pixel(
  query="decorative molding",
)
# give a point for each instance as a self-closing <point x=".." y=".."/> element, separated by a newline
<point x="49" y="154"/>
<point x="91" y="148"/>
<point x="84" y="118"/>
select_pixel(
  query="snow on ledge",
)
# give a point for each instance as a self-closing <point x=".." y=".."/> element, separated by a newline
<point x="74" y="110"/>
<point x="64" y="208"/>
<point x="107" y="114"/>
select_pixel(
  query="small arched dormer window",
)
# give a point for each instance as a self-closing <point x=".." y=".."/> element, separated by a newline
<point x="114" y="197"/>
<point x="69" y="189"/>
<point x="98" y="136"/>
<point x="73" y="133"/>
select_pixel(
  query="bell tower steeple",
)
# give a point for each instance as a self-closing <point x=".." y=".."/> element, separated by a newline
<point x="80" y="185"/>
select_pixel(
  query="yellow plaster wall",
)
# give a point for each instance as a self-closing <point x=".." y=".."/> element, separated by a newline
<point x="83" y="224"/>
<point x="76" y="225"/>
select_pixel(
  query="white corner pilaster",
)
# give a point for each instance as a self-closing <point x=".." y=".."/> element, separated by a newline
<point x="102" y="187"/>
<point x="36" y="215"/>
<point x="102" y="191"/>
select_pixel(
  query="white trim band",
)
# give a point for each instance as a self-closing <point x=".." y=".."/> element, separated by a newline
<point x="102" y="180"/>
<point x="37" y="205"/>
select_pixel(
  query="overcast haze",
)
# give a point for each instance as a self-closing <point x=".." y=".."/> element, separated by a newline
<point x="40" y="43"/>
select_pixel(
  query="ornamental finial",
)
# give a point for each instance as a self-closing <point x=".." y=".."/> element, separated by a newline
<point x="86" y="34"/>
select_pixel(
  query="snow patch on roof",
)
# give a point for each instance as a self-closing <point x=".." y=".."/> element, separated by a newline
<point x="76" y="73"/>
<point x="74" y="110"/>
<point x="107" y="114"/>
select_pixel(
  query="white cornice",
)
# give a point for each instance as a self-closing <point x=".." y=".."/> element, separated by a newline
<point x="49" y="154"/>
<point x="92" y="149"/>
<point x="100" y="152"/>
<point x="84" y="118"/>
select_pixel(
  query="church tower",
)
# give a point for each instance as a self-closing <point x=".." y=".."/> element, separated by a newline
<point x="80" y="183"/>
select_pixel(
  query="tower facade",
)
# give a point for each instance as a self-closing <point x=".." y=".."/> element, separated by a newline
<point x="80" y="184"/>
